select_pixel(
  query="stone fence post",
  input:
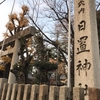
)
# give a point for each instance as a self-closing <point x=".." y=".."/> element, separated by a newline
<point x="43" y="92"/>
<point x="78" y="93"/>
<point x="64" y="93"/>
<point x="2" y="81"/>
<point x="54" y="93"/>
<point x="34" y="92"/>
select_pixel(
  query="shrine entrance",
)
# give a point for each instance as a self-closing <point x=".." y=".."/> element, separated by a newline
<point x="11" y="49"/>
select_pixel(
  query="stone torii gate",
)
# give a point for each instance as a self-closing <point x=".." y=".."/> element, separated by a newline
<point x="13" y="41"/>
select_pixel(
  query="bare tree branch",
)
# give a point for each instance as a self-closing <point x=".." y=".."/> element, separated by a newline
<point x="2" y="2"/>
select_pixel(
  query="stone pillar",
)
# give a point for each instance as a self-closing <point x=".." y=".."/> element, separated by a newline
<point x="43" y="92"/>
<point x="94" y="94"/>
<point x="34" y="92"/>
<point x="78" y="93"/>
<point x="64" y="93"/>
<point x="9" y="92"/>
<point x="11" y="78"/>
<point x="14" y="91"/>
<point x="54" y="93"/>
<point x="4" y="92"/>
<point x="87" y="61"/>
<point x="27" y="92"/>
<point x="2" y="81"/>
<point x="20" y="92"/>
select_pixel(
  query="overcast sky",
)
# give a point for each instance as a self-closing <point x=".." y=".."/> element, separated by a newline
<point x="5" y="9"/>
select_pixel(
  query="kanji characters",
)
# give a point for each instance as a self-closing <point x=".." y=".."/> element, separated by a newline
<point x="85" y="66"/>
<point x="82" y="25"/>
<point x="82" y="45"/>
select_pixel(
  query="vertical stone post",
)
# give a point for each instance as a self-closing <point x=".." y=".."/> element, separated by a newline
<point x="14" y="91"/>
<point x="64" y="93"/>
<point x="2" y="81"/>
<point x="4" y="92"/>
<point x="87" y="61"/>
<point x="54" y="93"/>
<point x="11" y="78"/>
<point x="34" y="92"/>
<point x="9" y="92"/>
<point x="43" y="92"/>
<point x="94" y="94"/>
<point x="20" y="92"/>
<point x="27" y="92"/>
<point x="78" y="93"/>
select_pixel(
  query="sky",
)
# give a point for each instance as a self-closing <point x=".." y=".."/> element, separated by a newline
<point x="5" y="9"/>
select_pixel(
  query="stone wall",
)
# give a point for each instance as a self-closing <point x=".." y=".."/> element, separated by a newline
<point x="45" y="92"/>
<point x="34" y="92"/>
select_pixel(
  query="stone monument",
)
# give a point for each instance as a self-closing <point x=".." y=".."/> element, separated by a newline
<point x="87" y="61"/>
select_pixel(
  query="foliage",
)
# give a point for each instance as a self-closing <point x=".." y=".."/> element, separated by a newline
<point x="4" y="60"/>
<point x="52" y="23"/>
<point x="2" y="68"/>
<point x="44" y="65"/>
<point x="18" y="72"/>
<point x="17" y="21"/>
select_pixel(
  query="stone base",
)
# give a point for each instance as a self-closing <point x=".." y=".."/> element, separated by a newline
<point x="86" y="93"/>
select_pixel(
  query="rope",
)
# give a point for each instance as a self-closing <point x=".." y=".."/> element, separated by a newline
<point x="6" y="31"/>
